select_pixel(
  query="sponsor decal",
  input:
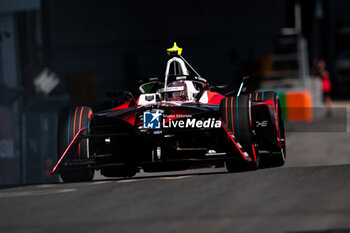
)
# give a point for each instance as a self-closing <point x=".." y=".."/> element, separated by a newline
<point x="152" y="119"/>
<point x="176" y="116"/>
<point x="156" y="120"/>
<point x="157" y="132"/>
<point x="261" y="124"/>
<point x="193" y="123"/>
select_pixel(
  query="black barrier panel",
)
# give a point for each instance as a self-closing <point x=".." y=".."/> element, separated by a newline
<point x="7" y="153"/>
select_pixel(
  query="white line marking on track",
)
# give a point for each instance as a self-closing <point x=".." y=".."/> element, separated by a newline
<point x="100" y="182"/>
<point x="45" y="185"/>
<point x="174" y="177"/>
<point x="130" y="180"/>
<point x="154" y="178"/>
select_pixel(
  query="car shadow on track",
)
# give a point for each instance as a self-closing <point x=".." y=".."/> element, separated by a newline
<point x="106" y="179"/>
<point x="156" y="176"/>
<point x="140" y="176"/>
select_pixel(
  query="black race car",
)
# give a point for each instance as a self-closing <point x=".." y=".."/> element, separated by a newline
<point x="177" y="122"/>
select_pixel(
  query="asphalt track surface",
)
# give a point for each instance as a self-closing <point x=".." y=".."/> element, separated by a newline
<point x="311" y="193"/>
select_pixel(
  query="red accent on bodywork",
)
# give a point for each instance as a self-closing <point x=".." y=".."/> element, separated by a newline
<point x="250" y="120"/>
<point x="81" y="113"/>
<point x="270" y="105"/>
<point x="254" y="153"/>
<point x="65" y="152"/>
<point x="269" y="102"/>
<point x="260" y="104"/>
<point x="214" y="97"/>
<point x="75" y="117"/>
<point x="130" y="119"/>
<point x="226" y="112"/>
<point x="277" y="127"/>
<point x="228" y="133"/>
<point x="89" y="114"/>
<point x="123" y="106"/>
<point x="232" y="117"/>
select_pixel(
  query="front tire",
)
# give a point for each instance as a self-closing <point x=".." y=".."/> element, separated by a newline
<point x="237" y="113"/>
<point x="70" y="122"/>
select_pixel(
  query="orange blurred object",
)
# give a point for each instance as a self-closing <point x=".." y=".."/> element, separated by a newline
<point x="299" y="105"/>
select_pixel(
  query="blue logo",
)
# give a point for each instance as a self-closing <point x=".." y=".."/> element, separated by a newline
<point x="151" y="120"/>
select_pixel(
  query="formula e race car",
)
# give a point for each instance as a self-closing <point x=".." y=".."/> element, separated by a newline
<point x="178" y="121"/>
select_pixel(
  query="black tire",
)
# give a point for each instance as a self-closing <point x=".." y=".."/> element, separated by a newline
<point x="276" y="158"/>
<point x="236" y="113"/>
<point x="70" y="122"/>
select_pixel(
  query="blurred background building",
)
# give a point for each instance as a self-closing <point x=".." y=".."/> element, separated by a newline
<point x="59" y="52"/>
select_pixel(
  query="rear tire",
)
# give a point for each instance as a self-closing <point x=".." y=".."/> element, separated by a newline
<point x="276" y="158"/>
<point x="237" y="113"/>
<point x="70" y="122"/>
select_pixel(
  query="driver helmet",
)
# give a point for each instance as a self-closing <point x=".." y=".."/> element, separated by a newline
<point x="177" y="91"/>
